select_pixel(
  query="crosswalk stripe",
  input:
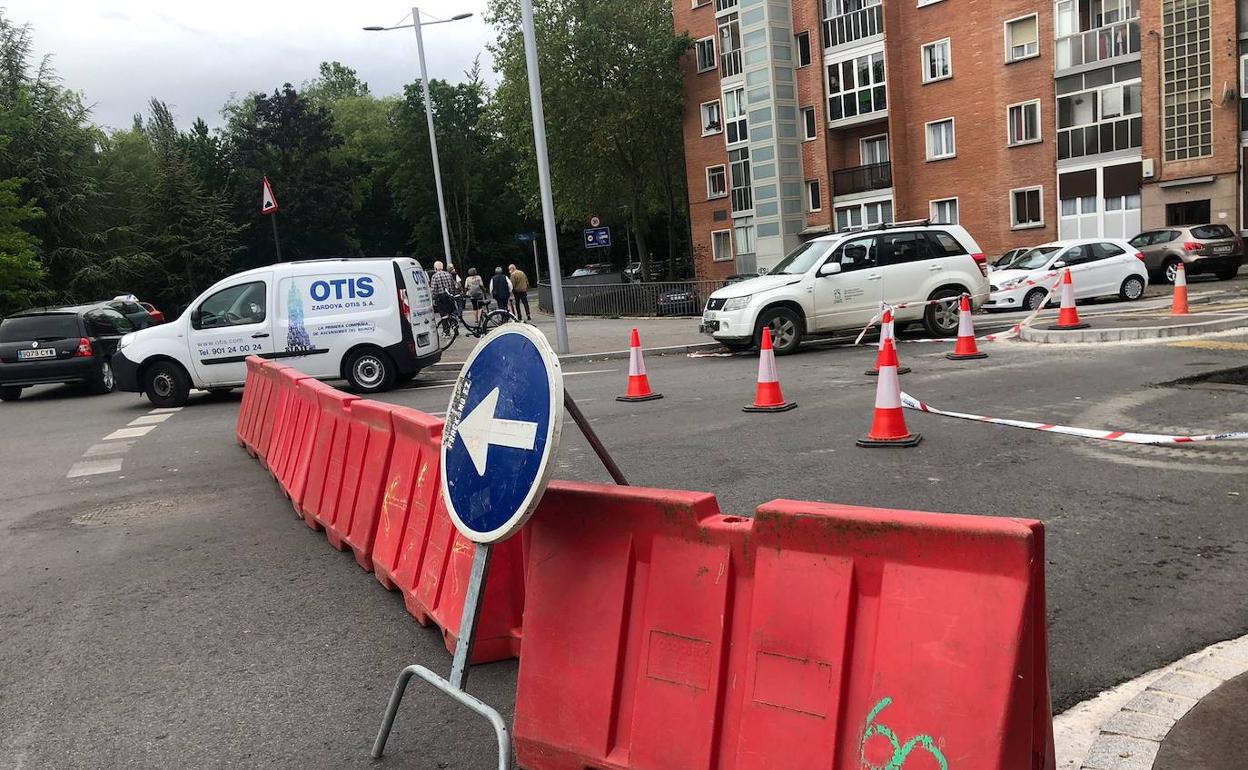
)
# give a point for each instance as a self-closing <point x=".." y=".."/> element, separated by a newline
<point x="94" y="467"/>
<point x="150" y="419"/>
<point x="138" y="432"/>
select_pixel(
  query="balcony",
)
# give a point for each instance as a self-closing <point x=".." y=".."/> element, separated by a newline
<point x="730" y="64"/>
<point x="742" y="199"/>
<point x="859" y="179"/>
<point x="1095" y="46"/>
<point x="847" y="28"/>
<point x="724" y="5"/>
<point x="1106" y="136"/>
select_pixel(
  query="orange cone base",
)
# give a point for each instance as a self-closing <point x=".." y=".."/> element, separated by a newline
<point x="647" y="397"/>
<point x="786" y="406"/>
<point x="876" y="372"/>
<point x="1059" y="327"/>
<point x="875" y="443"/>
<point x="964" y="356"/>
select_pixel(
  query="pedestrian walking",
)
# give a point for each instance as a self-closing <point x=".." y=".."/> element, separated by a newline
<point x="500" y="288"/>
<point x="520" y="290"/>
<point x="475" y="288"/>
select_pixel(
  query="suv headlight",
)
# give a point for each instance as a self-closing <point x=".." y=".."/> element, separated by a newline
<point x="126" y="339"/>
<point x="737" y="303"/>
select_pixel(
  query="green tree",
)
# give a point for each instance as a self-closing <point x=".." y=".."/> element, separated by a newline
<point x="21" y="275"/>
<point x="611" y="88"/>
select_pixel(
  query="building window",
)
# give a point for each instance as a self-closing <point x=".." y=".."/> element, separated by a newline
<point x="1022" y="38"/>
<point x="1100" y="120"/>
<point x="1187" y="74"/>
<point x="700" y="3"/>
<point x="712" y="123"/>
<point x="721" y="245"/>
<point x="802" y="39"/>
<point x="729" y="46"/>
<point x="705" y="50"/>
<point x="1243" y="76"/>
<point x="856" y="87"/>
<point x="1024" y="122"/>
<point x="734" y="116"/>
<point x="847" y="21"/>
<point x="873" y="149"/>
<point x="944" y="212"/>
<point x="1027" y="207"/>
<point x="937" y="61"/>
<point x="716" y="182"/>
<point x="739" y="175"/>
<point x="940" y="140"/>
<point x="810" y="123"/>
<point x="743" y="235"/>
<point x="863" y="215"/>
<point x="814" y="197"/>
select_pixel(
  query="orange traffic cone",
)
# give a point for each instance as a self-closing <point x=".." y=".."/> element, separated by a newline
<point x="768" y="397"/>
<point x="966" y="347"/>
<point x="1068" y="316"/>
<point x="638" y="382"/>
<point x="1180" y="291"/>
<point x="886" y="330"/>
<point x="889" y="426"/>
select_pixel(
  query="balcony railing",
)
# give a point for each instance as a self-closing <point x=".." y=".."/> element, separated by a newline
<point x="1106" y="136"/>
<point x="839" y="30"/>
<point x="730" y="63"/>
<point x="723" y="5"/>
<point x="1100" y="44"/>
<point x="874" y="176"/>
<point x="742" y="199"/>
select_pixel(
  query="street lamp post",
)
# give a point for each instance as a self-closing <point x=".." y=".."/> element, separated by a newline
<point x="428" y="98"/>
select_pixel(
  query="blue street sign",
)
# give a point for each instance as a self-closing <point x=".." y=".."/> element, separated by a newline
<point x="526" y="237"/>
<point x="502" y="433"/>
<point x="597" y="237"/>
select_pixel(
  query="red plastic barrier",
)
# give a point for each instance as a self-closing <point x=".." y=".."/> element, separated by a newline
<point x="661" y="635"/>
<point x="370" y="438"/>
<point x="307" y="430"/>
<point x="418" y="550"/>
<point x="286" y="423"/>
<point x="246" y="407"/>
<point x="279" y="395"/>
<point x="329" y="453"/>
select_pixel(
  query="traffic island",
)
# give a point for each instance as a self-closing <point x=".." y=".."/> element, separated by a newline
<point x="1141" y="326"/>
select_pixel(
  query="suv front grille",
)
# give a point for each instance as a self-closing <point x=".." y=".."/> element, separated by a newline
<point x="715" y="304"/>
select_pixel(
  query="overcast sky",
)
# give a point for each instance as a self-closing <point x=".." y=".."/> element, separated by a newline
<point x="121" y="53"/>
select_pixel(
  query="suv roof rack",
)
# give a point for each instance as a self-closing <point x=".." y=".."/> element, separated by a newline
<point x="890" y="226"/>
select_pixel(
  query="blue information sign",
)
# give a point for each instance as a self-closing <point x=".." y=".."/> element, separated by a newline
<point x="526" y="237"/>
<point x="597" y="237"/>
<point x="502" y="432"/>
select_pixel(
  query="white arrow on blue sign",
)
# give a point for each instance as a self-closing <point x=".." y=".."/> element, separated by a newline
<point x="502" y="432"/>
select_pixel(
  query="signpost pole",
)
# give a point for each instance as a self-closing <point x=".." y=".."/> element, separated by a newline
<point x="537" y="263"/>
<point x="277" y="244"/>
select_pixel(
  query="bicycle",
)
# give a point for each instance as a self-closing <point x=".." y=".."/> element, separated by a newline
<point x="450" y="322"/>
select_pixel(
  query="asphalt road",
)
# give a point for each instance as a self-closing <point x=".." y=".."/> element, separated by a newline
<point x="174" y="612"/>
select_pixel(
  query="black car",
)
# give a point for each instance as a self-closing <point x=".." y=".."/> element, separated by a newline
<point x="678" y="302"/>
<point x="56" y="345"/>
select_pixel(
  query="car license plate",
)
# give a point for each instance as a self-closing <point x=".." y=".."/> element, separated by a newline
<point x="1222" y="249"/>
<point x="26" y="355"/>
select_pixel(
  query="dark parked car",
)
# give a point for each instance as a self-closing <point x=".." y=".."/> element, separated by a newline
<point x="55" y="345"/>
<point x="1201" y="248"/>
<point x="133" y="310"/>
<point x="680" y="302"/>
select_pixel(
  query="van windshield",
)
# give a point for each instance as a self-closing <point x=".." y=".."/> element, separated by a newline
<point x="803" y="258"/>
<point x="1035" y="259"/>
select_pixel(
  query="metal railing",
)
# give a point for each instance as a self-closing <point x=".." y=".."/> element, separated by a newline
<point x="1106" y="136"/>
<point x="659" y="298"/>
<point x="1100" y="44"/>
<point x="723" y="5"/>
<point x="873" y="176"/>
<point x="856" y="25"/>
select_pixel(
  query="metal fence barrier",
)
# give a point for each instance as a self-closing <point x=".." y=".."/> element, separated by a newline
<point x="657" y="298"/>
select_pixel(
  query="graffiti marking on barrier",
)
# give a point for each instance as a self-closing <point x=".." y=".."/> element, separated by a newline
<point x="900" y="752"/>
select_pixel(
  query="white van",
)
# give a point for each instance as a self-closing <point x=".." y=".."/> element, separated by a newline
<point x="836" y="283"/>
<point x="368" y="321"/>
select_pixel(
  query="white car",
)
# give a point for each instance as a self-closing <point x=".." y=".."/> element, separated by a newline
<point x="1099" y="267"/>
<point x="368" y="321"/>
<point x="837" y="282"/>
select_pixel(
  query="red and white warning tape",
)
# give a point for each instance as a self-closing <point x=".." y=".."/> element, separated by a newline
<point x="910" y="402"/>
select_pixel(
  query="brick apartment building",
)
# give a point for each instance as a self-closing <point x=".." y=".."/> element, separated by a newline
<point x="1023" y="120"/>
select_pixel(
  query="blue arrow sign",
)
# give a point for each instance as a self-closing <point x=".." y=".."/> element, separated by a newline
<point x="502" y="431"/>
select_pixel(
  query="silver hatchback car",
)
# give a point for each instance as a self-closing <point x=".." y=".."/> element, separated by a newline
<point x="1201" y="248"/>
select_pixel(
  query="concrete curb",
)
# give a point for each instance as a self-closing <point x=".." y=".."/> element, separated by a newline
<point x="576" y="358"/>
<point x="1126" y="334"/>
<point x="1147" y="708"/>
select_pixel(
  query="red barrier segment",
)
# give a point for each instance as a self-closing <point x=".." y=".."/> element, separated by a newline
<point x="295" y="480"/>
<point x="246" y="407"/>
<point x="418" y="550"/>
<point x="286" y="426"/>
<point x="663" y="635"/>
<point x="319" y="504"/>
<point x="370" y="441"/>
<point x="278" y="397"/>
<point x="251" y="417"/>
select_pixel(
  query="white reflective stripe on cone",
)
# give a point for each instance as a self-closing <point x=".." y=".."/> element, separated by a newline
<point x="888" y="390"/>
<point x="1068" y="294"/>
<point x="1180" y="275"/>
<point x="886" y="332"/>
<point x="767" y="367"/>
<point x="636" y="364"/>
<point x="965" y="327"/>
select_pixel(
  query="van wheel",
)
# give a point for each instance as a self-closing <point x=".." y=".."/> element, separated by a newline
<point x="370" y="371"/>
<point x="10" y="393"/>
<point x="166" y="384"/>
<point x="941" y="318"/>
<point x="786" y="330"/>
<point x="103" y="382"/>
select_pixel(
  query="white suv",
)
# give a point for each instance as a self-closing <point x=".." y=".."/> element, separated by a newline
<point x="837" y="282"/>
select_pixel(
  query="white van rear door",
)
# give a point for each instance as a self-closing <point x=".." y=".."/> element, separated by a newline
<point x="419" y="299"/>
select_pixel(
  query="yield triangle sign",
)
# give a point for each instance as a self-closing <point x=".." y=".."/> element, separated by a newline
<point x="268" y="203"/>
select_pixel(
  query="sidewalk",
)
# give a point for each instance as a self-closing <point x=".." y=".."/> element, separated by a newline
<point x="1208" y="738"/>
<point x="1150" y="322"/>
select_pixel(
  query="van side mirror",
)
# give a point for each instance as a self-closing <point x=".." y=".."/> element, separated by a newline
<point x="195" y="318"/>
<point x="829" y="268"/>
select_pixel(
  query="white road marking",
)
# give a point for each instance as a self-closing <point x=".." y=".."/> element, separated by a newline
<point x="150" y="419"/>
<point x="130" y="432"/>
<point x="111" y="448"/>
<point x="166" y="410"/>
<point x="94" y="467"/>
